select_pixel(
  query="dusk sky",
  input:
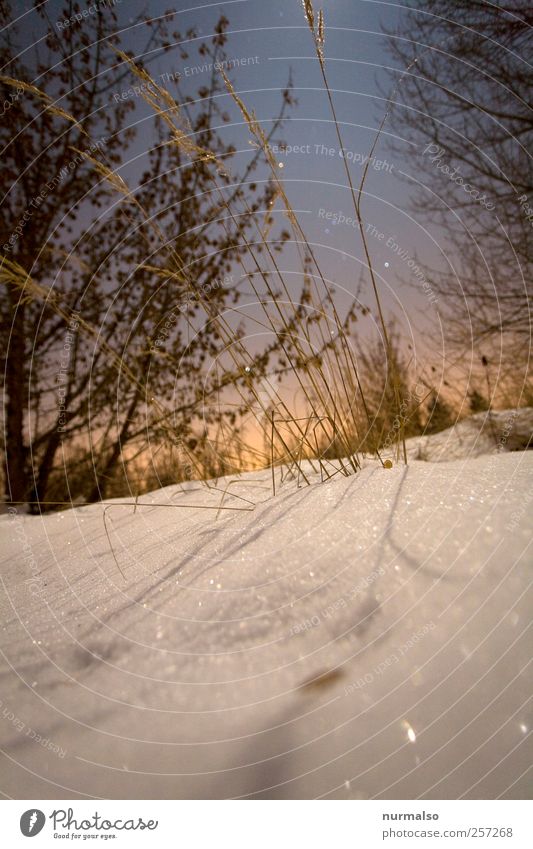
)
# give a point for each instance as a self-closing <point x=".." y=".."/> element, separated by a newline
<point x="266" y="43"/>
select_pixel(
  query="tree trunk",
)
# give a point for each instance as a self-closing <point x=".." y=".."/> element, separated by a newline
<point x="98" y="491"/>
<point x="15" y="459"/>
<point x="38" y="492"/>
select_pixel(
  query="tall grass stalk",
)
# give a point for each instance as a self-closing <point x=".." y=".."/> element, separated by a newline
<point x="318" y="34"/>
<point x="320" y="361"/>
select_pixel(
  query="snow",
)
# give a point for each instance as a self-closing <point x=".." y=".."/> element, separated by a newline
<point x="358" y="638"/>
<point x="482" y="433"/>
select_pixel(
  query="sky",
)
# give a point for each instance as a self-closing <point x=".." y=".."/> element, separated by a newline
<point x="266" y="43"/>
<point x="271" y="41"/>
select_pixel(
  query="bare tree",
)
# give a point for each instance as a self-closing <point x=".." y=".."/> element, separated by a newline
<point x="465" y="103"/>
<point x="100" y="257"/>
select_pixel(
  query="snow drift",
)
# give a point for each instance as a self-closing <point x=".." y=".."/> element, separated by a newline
<point x="482" y="433"/>
<point x="363" y="637"/>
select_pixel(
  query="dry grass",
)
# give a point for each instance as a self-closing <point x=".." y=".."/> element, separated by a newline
<point x="332" y="417"/>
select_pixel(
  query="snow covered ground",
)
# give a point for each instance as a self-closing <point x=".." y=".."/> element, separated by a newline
<point x="483" y="433"/>
<point x="363" y="637"/>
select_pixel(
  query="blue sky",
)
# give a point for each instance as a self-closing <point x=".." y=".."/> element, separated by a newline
<point x="266" y="42"/>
